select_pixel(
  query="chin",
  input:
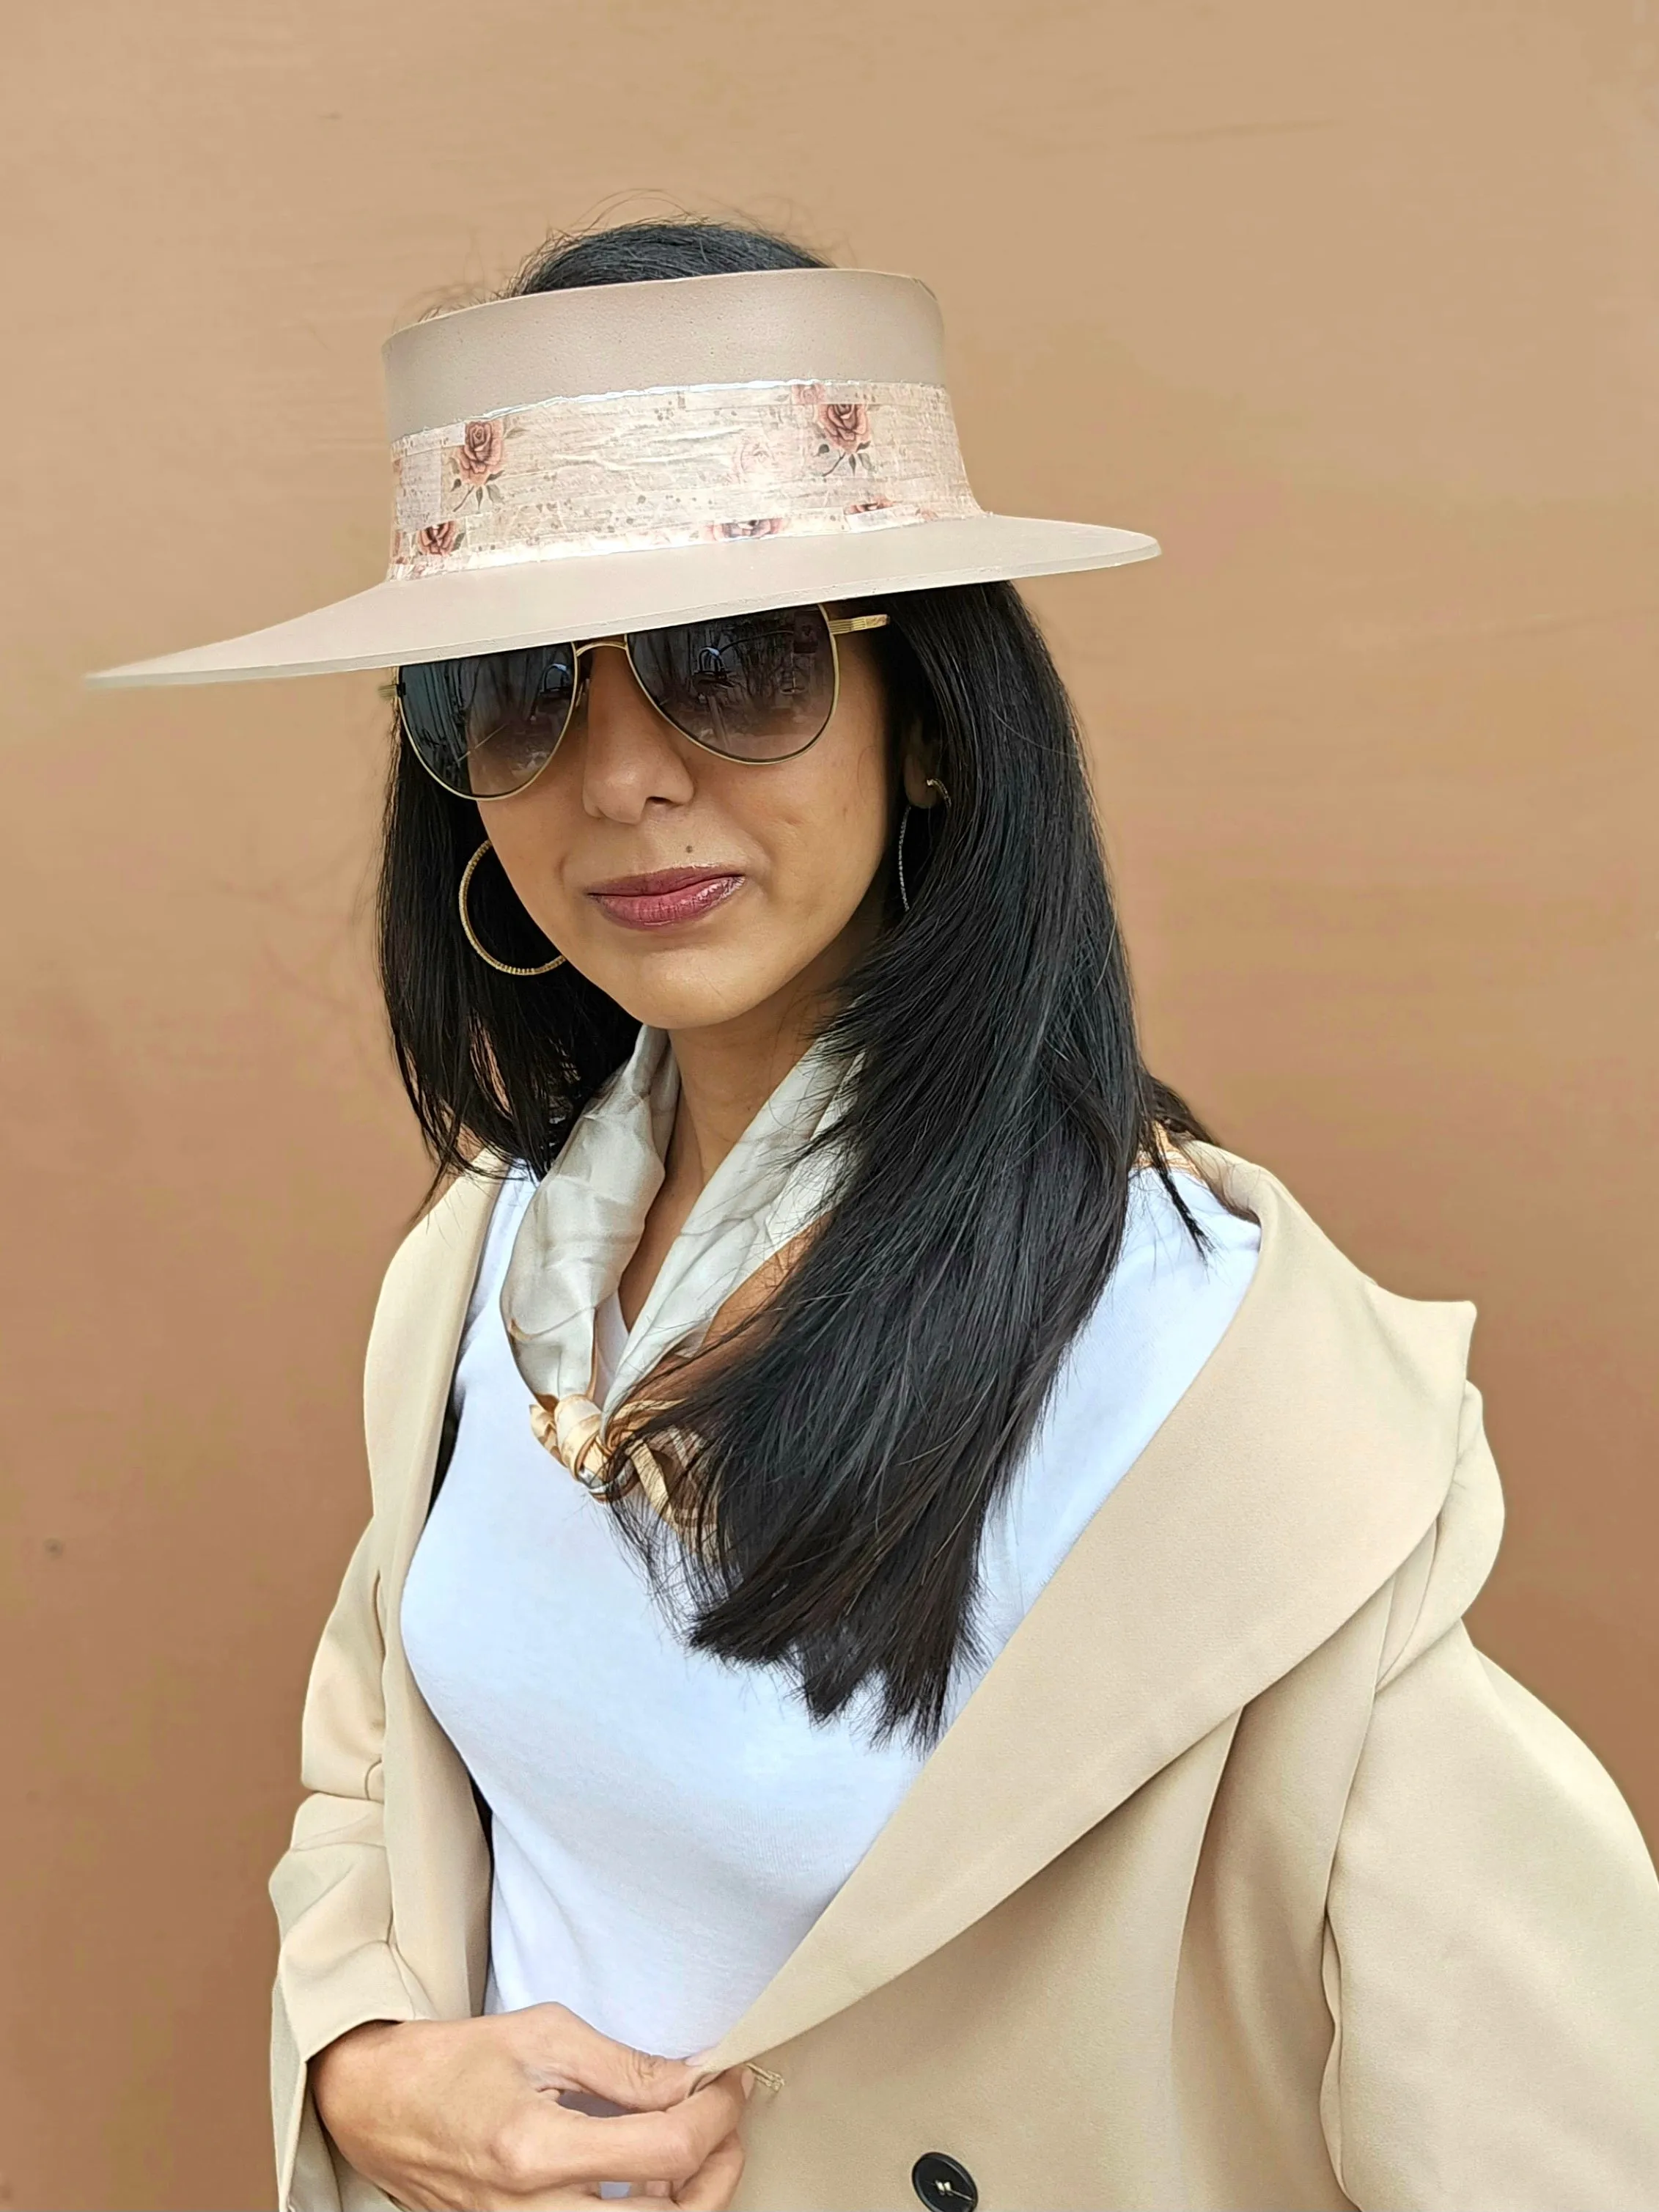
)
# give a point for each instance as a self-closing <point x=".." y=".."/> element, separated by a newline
<point x="679" y="989"/>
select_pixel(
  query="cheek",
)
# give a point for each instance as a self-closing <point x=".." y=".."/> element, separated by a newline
<point x="825" y="840"/>
<point x="536" y="837"/>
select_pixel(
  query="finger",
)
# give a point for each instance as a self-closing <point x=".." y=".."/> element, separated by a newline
<point x="570" y="2198"/>
<point x="580" y="2057"/>
<point x="669" y="2145"/>
<point x="713" y="2185"/>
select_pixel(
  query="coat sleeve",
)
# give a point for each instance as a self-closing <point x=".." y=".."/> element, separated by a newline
<point x="1491" y="1953"/>
<point x="337" y="1966"/>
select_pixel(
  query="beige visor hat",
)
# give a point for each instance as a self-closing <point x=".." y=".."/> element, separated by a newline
<point x="574" y="464"/>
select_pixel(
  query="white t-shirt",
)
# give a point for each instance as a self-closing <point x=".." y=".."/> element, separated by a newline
<point x="667" y="1825"/>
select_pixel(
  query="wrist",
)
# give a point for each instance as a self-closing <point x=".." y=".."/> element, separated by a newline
<point x="341" y="2068"/>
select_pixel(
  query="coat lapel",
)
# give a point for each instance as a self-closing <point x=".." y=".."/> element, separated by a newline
<point x="412" y="1349"/>
<point x="1304" y="1463"/>
<point x="439" y="1861"/>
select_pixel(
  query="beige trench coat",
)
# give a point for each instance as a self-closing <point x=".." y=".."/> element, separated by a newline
<point x="1242" y="1880"/>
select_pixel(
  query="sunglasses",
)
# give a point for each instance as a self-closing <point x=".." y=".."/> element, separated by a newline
<point x="758" y="687"/>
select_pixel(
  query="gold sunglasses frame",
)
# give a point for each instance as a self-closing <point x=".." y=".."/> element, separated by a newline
<point x="838" y="625"/>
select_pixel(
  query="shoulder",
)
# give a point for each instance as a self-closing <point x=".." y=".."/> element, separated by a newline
<point x="423" y="1310"/>
<point x="1297" y="1301"/>
<point x="1307" y="1280"/>
<point x="1366" y="1394"/>
<point x="446" y="1241"/>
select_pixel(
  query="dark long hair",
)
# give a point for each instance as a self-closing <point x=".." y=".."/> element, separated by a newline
<point x="849" y="1445"/>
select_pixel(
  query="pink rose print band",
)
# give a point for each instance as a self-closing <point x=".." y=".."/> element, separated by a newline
<point x="628" y="471"/>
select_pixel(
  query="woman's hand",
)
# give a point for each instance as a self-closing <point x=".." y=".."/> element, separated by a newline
<point x="464" y="2116"/>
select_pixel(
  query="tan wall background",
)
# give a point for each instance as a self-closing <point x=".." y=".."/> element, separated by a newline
<point x="1356" y="308"/>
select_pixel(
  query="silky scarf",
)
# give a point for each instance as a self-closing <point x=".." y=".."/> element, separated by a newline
<point x="584" y="1223"/>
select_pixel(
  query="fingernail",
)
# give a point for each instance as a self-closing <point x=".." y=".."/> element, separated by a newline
<point x="748" y="2081"/>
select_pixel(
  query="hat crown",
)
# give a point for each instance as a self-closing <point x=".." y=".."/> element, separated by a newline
<point x="770" y="325"/>
<point x="630" y="418"/>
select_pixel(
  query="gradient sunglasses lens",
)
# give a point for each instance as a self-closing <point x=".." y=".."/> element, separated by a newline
<point x="487" y="726"/>
<point x="754" y="687"/>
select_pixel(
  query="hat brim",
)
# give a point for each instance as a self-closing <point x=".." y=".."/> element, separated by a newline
<point x="495" y="609"/>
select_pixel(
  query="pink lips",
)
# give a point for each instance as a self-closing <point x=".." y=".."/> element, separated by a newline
<point x="668" y="896"/>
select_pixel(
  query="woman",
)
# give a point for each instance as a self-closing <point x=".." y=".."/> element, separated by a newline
<point x="989" y="1722"/>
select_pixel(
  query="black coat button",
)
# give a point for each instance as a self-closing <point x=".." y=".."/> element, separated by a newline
<point x="943" y="2183"/>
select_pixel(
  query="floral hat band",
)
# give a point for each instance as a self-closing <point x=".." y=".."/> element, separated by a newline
<point x="626" y="471"/>
<point x="569" y="464"/>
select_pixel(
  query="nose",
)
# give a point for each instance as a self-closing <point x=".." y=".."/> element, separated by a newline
<point x="632" y="759"/>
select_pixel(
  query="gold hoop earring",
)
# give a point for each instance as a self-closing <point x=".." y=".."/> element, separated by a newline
<point x="501" y="967"/>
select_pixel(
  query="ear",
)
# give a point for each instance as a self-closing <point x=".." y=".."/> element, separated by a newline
<point x="919" y="772"/>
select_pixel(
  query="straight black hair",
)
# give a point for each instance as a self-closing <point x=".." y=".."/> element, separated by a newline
<point x="848" y="1442"/>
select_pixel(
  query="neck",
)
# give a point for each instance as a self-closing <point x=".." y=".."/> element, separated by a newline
<point x="727" y="1073"/>
<point x="728" y="1070"/>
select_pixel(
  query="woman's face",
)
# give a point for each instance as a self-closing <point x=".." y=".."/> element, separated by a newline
<point x="695" y="889"/>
